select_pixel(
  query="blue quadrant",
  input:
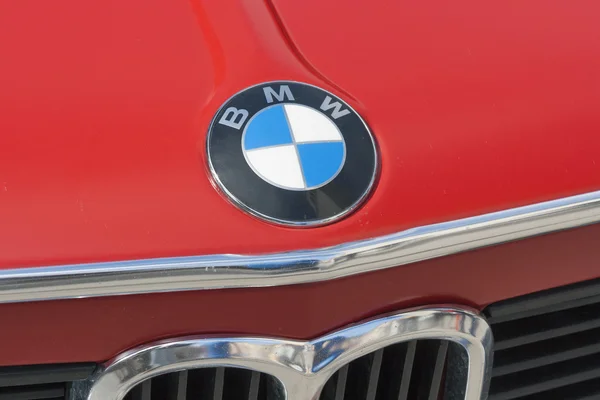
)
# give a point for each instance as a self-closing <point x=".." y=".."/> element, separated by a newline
<point x="320" y="161"/>
<point x="268" y="128"/>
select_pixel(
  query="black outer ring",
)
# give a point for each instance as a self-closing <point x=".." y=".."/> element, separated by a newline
<point x="300" y="208"/>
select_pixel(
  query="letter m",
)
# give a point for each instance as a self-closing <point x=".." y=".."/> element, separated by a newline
<point x="337" y="108"/>
<point x="284" y="91"/>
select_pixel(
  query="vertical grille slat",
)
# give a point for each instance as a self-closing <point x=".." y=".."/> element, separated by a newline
<point x="438" y="371"/>
<point x="429" y="358"/>
<point x="201" y="383"/>
<point x="374" y="375"/>
<point x="409" y="360"/>
<point x="143" y="391"/>
<point x="220" y="383"/>
<point x="342" y="378"/>
<point x="254" y="385"/>
<point x="177" y="386"/>
<point x="240" y="384"/>
<point x="412" y="370"/>
<point x="358" y="378"/>
<point x="547" y="344"/>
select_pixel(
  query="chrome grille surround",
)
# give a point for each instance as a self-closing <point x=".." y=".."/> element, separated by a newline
<point x="303" y="367"/>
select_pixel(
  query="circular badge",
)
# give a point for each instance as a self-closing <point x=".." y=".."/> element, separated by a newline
<point x="291" y="153"/>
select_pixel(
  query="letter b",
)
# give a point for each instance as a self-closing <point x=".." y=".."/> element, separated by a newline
<point x="234" y="118"/>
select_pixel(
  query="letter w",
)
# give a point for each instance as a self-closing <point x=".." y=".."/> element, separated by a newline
<point x="337" y="108"/>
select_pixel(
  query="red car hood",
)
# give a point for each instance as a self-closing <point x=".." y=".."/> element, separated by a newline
<point x="105" y="108"/>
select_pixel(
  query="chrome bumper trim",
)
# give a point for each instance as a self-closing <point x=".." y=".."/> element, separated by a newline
<point x="294" y="267"/>
<point x="302" y="367"/>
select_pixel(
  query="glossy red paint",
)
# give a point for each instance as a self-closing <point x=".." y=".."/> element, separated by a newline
<point x="98" y="329"/>
<point x="105" y="105"/>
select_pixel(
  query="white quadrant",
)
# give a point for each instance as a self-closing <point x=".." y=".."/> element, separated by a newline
<point x="309" y="125"/>
<point x="279" y="166"/>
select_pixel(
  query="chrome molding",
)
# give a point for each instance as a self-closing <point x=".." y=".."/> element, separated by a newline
<point x="234" y="271"/>
<point x="303" y="368"/>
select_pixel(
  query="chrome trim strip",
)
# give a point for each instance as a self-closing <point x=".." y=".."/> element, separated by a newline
<point x="303" y="367"/>
<point x="235" y="271"/>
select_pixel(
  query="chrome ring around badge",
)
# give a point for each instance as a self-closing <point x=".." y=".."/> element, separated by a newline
<point x="291" y="153"/>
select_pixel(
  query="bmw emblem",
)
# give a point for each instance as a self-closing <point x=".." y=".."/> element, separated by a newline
<point x="291" y="153"/>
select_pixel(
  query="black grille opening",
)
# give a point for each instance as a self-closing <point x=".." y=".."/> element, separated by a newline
<point x="41" y="382"/>
<point x="547" y="345"/>
<point x="222" y="383"/>
<point x="414" y="370"/>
